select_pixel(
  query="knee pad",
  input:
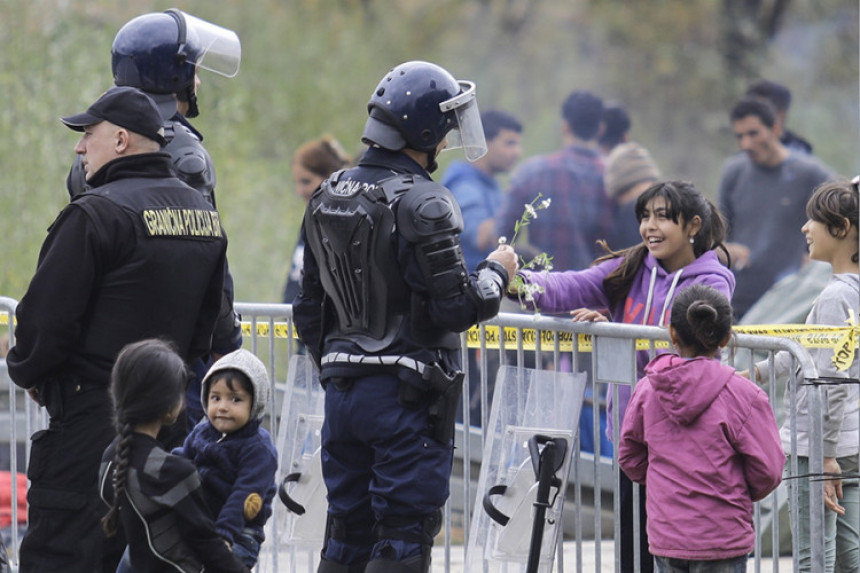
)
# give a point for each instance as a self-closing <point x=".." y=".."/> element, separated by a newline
<point x="416" y="564"/>
<point x="327" y="566"/>
<point x="396" y="528"/>
<point x="341" y="529"/>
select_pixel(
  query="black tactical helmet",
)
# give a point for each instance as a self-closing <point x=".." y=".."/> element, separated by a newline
<point x="416" y="105"/>
<point x="160" y="52"/>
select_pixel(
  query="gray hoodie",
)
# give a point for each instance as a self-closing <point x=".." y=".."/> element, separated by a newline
<point x="252" y="367"/>
<point x="841" y="417"/>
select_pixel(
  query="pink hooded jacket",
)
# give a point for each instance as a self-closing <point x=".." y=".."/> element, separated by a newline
<point x="706" y="443"/>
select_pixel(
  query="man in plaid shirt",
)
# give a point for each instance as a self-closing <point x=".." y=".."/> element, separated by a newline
<point x="580" y="211"/>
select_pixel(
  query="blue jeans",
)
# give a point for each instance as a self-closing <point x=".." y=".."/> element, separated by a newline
<point x="671" y="565"/>
<point x="841" y="537"/>
<point x="125" y="563"/>
<point x="246" y="547"/>
<point x="847" y="533"/>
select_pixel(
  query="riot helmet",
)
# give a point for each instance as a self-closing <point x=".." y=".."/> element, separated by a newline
<point x="160" y="53"/>
<point x="417" y="105"/>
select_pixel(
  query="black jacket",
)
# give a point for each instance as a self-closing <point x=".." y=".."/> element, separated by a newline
<point x="140" y="255"/>
<point x="164" y="514"/>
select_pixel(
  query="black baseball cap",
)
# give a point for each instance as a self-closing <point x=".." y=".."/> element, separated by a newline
<point x="123" y="106"/>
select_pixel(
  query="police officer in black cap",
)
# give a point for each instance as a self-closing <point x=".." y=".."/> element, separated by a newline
<point x="160" y="53"/>
<point x="384" y="295"/>
<point x="107" y="276"/>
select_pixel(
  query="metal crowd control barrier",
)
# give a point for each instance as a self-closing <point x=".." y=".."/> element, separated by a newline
<point x="591" y="518"/>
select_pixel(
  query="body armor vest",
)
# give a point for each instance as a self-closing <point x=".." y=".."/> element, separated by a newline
<point x="350" y="227"/>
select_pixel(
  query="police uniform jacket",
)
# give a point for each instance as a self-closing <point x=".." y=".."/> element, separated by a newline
<point x="194" y="166"/>
<point x="428" y="331"/>
<point x="140" y="255"/>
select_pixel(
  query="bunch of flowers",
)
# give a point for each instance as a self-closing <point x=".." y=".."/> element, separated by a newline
<point x="542" y="262"/>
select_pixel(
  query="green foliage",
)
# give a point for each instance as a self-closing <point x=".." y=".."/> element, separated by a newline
<point x="309" y="67"/>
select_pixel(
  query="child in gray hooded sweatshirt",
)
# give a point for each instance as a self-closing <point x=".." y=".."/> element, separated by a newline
<point x="234" y="455"/>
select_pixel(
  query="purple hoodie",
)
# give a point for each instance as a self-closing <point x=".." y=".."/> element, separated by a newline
<point x="648" y="302"/>
<point x="706" y="444"/>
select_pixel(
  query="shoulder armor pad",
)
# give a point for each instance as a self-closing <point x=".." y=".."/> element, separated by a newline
<point x="428" y="210"/>
<point x="190" y="158"/>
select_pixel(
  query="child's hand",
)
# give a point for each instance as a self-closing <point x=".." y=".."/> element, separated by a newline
<point x="833" y="487"/>
<point x="587" y="315"/>
<point x="753" y="375"/>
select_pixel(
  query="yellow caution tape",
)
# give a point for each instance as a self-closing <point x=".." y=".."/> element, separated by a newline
<point x="843" y="354"/>
<point x="842" y="339"/>
<point x="809" y="336"/>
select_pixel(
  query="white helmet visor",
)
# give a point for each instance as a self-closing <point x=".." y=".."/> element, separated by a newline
<point x="469" y="132"/>
<point x="220" y="50"/>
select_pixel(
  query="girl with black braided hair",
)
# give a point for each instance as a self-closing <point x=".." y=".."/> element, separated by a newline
<point x="143" y="484"/>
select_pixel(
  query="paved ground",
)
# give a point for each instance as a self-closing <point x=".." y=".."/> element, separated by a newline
<point x="300" y="564"/>
<point x="589" y="561"/>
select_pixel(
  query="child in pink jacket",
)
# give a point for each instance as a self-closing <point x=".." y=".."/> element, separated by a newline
<point x="705" y="441"/>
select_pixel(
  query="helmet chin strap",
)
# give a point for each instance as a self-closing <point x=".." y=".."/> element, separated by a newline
<point x="431" y="161"/>
<point x="191" y="99"/>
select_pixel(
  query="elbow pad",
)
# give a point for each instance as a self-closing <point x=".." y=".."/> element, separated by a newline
<point x="491" y="283"/>
<point x="429" y="217"/>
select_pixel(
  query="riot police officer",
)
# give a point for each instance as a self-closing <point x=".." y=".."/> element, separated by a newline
<point x="384" y="294"/>
<point x="160" y="53"/>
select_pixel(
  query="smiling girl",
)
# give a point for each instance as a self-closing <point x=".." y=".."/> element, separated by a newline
<point x="680" y="229"/>
<point x="831" y="236"/>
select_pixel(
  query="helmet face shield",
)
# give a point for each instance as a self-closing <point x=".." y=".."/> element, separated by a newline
<point x="220" y="50"/>
<point x="469" y="132"/>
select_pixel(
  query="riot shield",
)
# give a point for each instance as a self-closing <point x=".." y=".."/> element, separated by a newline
<point x="517" y="521"/>
<point x="300" y="515"/>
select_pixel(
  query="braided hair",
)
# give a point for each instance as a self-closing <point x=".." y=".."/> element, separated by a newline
<point x="147" y="382"/>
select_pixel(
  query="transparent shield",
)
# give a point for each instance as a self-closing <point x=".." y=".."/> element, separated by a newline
<point x="469" y="132"/>
<point x="299" y="468"/>
<point x="527" y="405"/>
<point x="221" y="50"/>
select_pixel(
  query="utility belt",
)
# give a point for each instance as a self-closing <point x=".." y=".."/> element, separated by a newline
<point x="441" y="389"/>
<point x="55" y="391"/>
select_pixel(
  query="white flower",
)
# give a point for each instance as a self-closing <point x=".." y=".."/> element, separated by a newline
<point x="531" y="211"/>
<point x="545" y="203"/>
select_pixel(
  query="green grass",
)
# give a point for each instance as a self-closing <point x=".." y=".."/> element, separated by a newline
<point x="309" y="67"/>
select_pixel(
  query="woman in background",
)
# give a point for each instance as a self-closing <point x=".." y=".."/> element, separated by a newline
<point x="313" y="162"/>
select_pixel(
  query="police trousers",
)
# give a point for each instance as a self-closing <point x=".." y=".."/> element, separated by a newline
<point x="381" y="469"/>
<point x="64" y="508"/>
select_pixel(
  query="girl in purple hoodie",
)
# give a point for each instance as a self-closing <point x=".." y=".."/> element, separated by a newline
<point x="680" y="229"/>
<point x="704" y="439"/>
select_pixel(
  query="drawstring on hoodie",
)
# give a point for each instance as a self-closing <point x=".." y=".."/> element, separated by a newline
<point x="675" y="279"/>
